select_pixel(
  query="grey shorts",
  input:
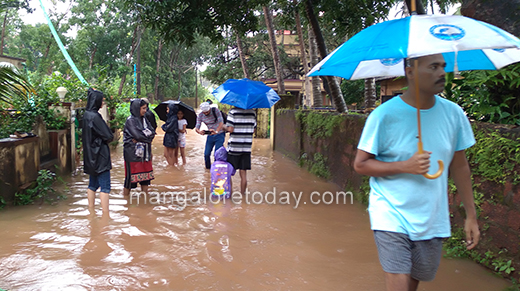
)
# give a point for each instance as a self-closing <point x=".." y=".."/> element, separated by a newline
<point x="400" y="255"/>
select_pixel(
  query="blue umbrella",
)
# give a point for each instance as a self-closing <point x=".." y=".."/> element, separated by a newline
<point x="379" y="50"/>
<point x="246" y="94"/>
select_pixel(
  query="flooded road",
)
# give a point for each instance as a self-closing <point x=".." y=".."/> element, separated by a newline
<point x="172" y="246"/>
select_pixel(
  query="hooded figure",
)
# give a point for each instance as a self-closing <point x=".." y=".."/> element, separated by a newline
<point x="134" y="133"/>
<point x="96" y="136"/>
<point x="221" y="172"/>
<point x="149" y="115"/>
<point x="137" y="138"/>
<point x="171" y="127"/>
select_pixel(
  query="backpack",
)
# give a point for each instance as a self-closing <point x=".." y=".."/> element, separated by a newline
<point x="224" y="115"/>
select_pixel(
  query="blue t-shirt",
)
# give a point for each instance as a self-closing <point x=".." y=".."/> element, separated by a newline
<point x="406" y="203"/>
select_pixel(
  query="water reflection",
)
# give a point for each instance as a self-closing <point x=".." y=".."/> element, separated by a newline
<point x="203" y="246"/>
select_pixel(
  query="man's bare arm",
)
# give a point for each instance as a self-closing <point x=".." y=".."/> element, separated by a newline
<point x="461" y="175"/>
<point x="366" y="164"/>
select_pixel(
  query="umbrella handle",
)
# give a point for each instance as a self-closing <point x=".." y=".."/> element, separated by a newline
<point x="441" y="165"/>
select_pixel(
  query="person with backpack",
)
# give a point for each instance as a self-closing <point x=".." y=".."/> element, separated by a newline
<point x="213" y="119"/>
<point x="221" y="172"/>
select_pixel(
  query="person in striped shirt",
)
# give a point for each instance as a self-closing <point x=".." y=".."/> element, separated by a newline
<point x="241" y="124"/>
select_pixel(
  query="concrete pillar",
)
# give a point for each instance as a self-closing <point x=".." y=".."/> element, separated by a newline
<point x="72" y="138"/>
<point x="271" y="128"/>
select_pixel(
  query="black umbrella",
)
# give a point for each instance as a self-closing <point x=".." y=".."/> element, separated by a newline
<point x="189" y="113"/>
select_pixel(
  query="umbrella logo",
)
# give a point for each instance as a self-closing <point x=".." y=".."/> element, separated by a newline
<point x="499" y="50"/>
<point x="447" y="32"/>
<point x="390" y="62"/>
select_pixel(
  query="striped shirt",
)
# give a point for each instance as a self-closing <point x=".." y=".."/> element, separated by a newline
<point x="243" y="122"/>
<point x="209" y="119"/>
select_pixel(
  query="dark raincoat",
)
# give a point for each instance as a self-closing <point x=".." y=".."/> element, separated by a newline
<point x="134" y="131"/>
<point x="96" y="136"/>
<point x="171" y="127"/>
<point x="151" y="117"/>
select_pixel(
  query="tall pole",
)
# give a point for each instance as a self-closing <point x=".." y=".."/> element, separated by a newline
<point x="138" y="67"/>
<point x="196" y="88"/>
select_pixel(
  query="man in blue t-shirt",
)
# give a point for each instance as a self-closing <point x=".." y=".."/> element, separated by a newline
<point x="409" y="213"/>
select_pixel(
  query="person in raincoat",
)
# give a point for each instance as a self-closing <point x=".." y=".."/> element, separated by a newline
<point x="409" y="213"/>
<point x="171" y="134"/>
<point x="138" y="135"/>
<point x="150" y="115"/>
<point x="221" y="172"/>
<point x="96" y="152"/>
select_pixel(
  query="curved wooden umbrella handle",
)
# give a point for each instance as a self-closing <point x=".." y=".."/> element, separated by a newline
<point x="441" y="165"/>
<point x="439" y="171"/>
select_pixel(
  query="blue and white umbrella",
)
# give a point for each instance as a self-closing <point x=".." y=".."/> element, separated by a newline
<point x="246" y="94"/>
<point x="379" y="50"/>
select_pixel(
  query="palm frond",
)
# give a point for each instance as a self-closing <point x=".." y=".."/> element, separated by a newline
<point x="13" y="85"/>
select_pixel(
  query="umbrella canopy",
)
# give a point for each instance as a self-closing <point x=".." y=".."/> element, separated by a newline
<point x="379" y="50"/>
<point x="189" y="113"/>
<point x="246" y="94"/>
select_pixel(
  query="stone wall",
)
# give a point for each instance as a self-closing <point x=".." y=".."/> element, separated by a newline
<point x="19" y="165"/>
<point x="339" y="150"/>
<point x="499" y="204"/>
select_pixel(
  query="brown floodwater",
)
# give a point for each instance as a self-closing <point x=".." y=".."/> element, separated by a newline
<point x="172" y="243"/>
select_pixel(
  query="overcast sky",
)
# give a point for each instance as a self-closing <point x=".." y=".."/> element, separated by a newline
<point x="38" y="17"/>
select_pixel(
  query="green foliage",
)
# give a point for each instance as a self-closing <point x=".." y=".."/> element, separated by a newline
<point x="514" y="287"/>
<point x="488" y="96"/>
<point x="2" y="202"/>
<point x="182" y="20"/>
<point x="362" y="193"/>
<point x="455" y="247"/>
<point x="495" y="156"/>
<point x="42" y="189"/>
<point x="122" y="113"/>
<point x="353" y="91"/>
<point x="478" y="196"/>
<point x="47" y="85"/>
<point x="316" y="166"/>
<point x="503" y="266"/>
<point x="319" y="124"/>
<point x="13" y="85"/>
<point x="319" y="166"/>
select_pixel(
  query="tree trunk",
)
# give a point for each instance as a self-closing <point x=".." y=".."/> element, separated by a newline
<point x="274" y="50"/>
<point x="138" y="67"/>
<point x="47" y="50"/>
<point x="128" y="60"/>
<point x="303" y="56"/>
<point x="92" y="55"/>
<point x="502" y="13"/>
<point x="370" y="94"/>
<point x="332" y="82"/>
<point x="180" y="84"/>
<point x="419" y="7"/>
<point x="242" y="56"/>
<point x="196" y="87"/>
<point x="317" y="99"/>
<point x="157" y="71"/>
<point x="3" y="34"/>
